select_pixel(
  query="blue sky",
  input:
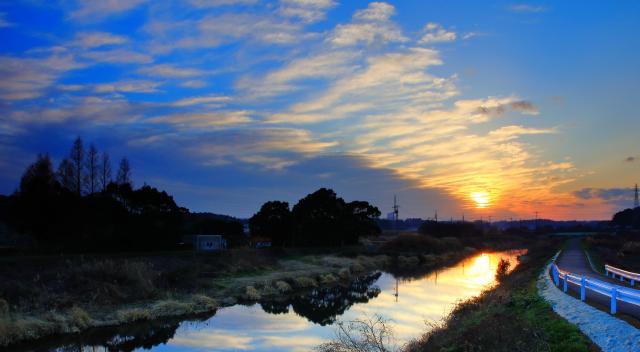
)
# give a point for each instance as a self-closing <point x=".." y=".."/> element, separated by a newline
<point x="485" y="108"/>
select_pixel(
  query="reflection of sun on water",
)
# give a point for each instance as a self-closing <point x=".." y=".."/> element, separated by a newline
<point x="481" y="271"/>
<point x="481" y="199"/>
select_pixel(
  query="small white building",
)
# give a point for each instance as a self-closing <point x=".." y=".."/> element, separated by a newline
<point x="206" y="243"/>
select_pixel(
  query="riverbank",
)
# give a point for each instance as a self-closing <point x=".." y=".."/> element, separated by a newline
<point x="519" y="319"/>
<point x="44" y="296"/>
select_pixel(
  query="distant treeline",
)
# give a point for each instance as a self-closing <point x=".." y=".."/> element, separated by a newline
<point x="319" y="219"/>
<point x="80" y="207"/>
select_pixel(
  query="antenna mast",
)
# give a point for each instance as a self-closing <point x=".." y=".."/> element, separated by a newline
<point x="395" y="211"/>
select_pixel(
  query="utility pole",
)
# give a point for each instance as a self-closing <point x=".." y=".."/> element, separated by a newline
<point x="636" y="201"/>
<point x="395" y="212"/>
<point x="436" y="215"/>
<point x="536" y="221"/>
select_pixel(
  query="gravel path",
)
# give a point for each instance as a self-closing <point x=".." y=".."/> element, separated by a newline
<point x="606" y="331"/>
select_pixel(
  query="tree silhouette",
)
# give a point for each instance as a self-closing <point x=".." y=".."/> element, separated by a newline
<point x="91" y="165"/>
<point x="272" y="221"/>
<point x="76" y="157"/>
<point x="124" y="172"/>
<point x="66" y="175"/>
<point x="105" y="171"/>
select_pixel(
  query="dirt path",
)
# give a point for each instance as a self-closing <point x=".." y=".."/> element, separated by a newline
<point x="573" y="259"/>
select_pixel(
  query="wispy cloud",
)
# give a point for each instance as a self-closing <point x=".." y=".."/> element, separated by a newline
<point x="527" y="8"/>
<point x="210" y="99"/>
<point x="89" y="40"/>
<point x="370" y="25"/>
<point x="129" y="86"/>
<point x="435" y="33"/>
<point x="93" y="10"/>
<point x="168" y="70"/>
<point x="3" y="20"/>
<point x="307" y="10"/>
<point x="28" y="78"/>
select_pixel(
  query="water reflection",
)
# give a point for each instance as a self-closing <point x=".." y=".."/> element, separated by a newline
<point x="303" y="321"/>
<point x="323" y="305"/>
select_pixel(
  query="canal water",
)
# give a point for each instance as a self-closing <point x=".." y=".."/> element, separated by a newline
<point x="304" y="321"/>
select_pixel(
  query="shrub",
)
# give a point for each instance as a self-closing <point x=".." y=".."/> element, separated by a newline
<point x="4" y="308"/>
<point x="305" y="282"/>
<point x="251" y="294"/>
<point x="327" y="279"/>
<point x="344" y="273"/>
<point x="416" y="243"/>
<point x="79" y="318"/>
<point x="503" y="269"/>
<point x="283" y="287"/>
<point x="170" y="308"/>
<point x="407" y="262"/>
<point x="133" y="314"/>
<point x="631" y="247"/>
<point x="357" y="268"/>
<point x="205" y="303"/>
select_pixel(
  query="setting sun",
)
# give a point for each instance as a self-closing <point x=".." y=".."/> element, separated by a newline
<point x="481" y="199"/>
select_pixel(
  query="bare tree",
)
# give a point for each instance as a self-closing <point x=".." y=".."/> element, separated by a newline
<point x="91" y="165"/>
<point x="66" y="175"/>
<point x="361" y="335"/>
<point x="105" y="170"/>
<point x="76" y="157"/>
<point x="124" y="172"/>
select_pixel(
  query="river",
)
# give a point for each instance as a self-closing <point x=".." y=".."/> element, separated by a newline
<point x="301" y="322"/>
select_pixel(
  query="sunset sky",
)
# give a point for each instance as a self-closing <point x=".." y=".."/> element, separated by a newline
<point x="482" y="108"/>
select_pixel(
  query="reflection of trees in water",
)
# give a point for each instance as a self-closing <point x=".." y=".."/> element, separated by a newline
<point x="121" y="338"/>
<point x="323" y="305"/>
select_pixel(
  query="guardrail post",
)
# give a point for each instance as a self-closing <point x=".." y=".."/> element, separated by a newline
<point x="582" y="288"/>
<point x="613" y="275"/>
<point x="554" y="271"/>
<point x="565" y="282"/>
<point x="606" y="272"/>
<point x="621" y="278"/>
<point x="614" y="296"/>
<point x="633" y="282"/>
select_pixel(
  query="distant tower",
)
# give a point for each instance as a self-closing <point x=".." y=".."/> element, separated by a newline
<point x="395" y="211"/>
<point x="436" y="217"/>
<point x="636" y="201"/>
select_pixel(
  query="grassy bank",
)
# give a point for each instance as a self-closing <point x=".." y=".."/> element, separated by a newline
<point x="43" y="296"/>
<point x="509" y="317"/>
<point x="622" y="251"/>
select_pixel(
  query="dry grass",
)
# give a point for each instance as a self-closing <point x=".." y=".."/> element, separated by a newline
<point x="344" y="274"/>
<point x="327" y="279"/>
<point x="305" y="282"/>
<point x="133" y="314"/>
<point x="204" y="303"/>
<point x="282" y="286"/>
<point x="251" y="294"/>
<point x="79" y="318"/>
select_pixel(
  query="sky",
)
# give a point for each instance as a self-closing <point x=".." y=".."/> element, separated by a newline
<point x="487" y="109"/>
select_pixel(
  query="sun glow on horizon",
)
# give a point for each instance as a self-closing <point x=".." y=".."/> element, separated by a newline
<point x="482" y="199"/>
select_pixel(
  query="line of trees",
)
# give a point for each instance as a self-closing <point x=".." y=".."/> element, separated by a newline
<point x="89" y="171"/>
<point x="319" y="219"/>
<point x="80" y="207"/>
